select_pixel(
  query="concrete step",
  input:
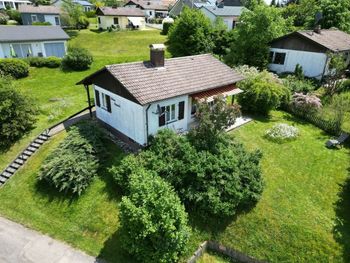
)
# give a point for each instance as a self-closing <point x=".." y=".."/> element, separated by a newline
<point x="26" y="152"/>
<point x="6" y="174"/>
<point x="32" y="149"/>
<point x="24" y="157"/>
<point x="43" y="137"/>
<point x="19" y="161"/>
<point x="35" y="145"/>
<point x="2" y="179"/>
<point x="11" y="170"/>
<point x="39" y="141"/>
<point x="15" y="165"/>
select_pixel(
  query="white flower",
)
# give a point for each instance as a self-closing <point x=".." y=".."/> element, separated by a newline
<point x="282" y="132"/>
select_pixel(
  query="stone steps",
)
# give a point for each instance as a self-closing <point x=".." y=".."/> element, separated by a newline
<point x="23" y="157"/>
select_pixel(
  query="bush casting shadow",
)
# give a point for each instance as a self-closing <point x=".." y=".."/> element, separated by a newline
<point x="341" y="230"/>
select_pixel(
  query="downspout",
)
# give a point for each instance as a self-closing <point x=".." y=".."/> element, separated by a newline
<point x="325" y="66"/>
<point x="147" y="123"/>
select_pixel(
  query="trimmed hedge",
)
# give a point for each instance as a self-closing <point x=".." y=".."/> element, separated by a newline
<point x="48" y="62"/>
<point x="13" y="67"/>
<point x="41" y="23"/>
<point x="77" y="59"/>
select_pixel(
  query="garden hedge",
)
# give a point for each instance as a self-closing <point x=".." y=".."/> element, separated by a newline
<point x="14" y="67"/>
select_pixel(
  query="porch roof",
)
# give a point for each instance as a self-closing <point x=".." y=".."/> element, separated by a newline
<point x="210" y="94"/>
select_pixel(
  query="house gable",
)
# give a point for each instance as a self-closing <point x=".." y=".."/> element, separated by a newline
<point x="296" y="41"/>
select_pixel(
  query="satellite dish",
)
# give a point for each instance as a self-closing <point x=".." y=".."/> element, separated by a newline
<point x="318" y="17"/>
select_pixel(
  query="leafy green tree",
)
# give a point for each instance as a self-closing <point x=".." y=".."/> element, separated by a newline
<point x="153" y="220"/>
<point x="74" y="12"/>
<point x="336" y="70"/>
<point x="222" y="37"/>
<point x="336" y="13"/>
<point x="252" y="4"/>
<point x="190" y="34"/>
<point x="302" y="13"/>
<point x="252" y="36"/>
<point x="17" y="113"/>
<point x="212" y="121"/>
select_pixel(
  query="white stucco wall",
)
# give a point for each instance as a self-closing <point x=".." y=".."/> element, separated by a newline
<point x="51" y="19"/>
<point x="177" y="125"/>
<point x="313" y="63"/>
<point x="108" y="21"/>
<point x="126" y="116"/>
<point x="228" y="20"/>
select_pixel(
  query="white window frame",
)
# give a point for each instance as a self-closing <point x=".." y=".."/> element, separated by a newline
<point x="103" y="100"/>
<point x="57" y="20"/>
<point x="170" y="113"/>
<point x="32" y="17"/>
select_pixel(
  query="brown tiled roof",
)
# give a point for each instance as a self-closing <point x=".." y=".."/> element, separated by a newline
<point x="41" y="9"/>
<point x="332" y="39"/>
<point x="154" y="5"/>
<point x="120" y="11"/>
<point x="179" y="76"/>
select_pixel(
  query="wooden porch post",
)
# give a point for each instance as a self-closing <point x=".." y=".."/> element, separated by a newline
<point x="88" y="97"/>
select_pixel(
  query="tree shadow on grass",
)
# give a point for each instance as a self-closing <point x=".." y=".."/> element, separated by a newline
<point x="51" y="193"/>
<point x="113" y="252"/>
<point x="341" y="230"/>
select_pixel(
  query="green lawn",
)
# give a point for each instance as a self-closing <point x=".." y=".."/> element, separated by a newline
<point x="300" y="218"/>
<point x="55" y="91"/>
<point x="210" y="257"/>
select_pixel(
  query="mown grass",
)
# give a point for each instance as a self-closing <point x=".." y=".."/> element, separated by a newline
<point x="55" y="91"/>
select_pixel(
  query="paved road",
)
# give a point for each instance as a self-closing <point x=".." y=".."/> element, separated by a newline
<point x="22" y="245"/>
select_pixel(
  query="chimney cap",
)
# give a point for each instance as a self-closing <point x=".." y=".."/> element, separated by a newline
<point x="157" y="46"/>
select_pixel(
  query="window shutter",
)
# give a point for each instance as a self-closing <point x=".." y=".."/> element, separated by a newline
<point x="181" y="110"/>
<point x="162" y="117"/>
<point x="97" y="98"/>
<point x="108" y="100"/>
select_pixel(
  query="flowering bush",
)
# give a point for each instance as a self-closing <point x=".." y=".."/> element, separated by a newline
<point x="282" y="132"/>
<point x="306" y="102"/>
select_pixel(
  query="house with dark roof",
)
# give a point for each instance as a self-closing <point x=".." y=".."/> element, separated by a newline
<point x="13" y="4"/>
<point x="86" y="5"/>
<point x="178" y="6"/>
<point x="229" y="14"/>
<point x="138" y="99"/>
<point x="310" y="49"/>
<point x="152" y="9"/>
<point x="120" y="17"/>
<point x="32" y="41"/>
<point x="41" y="13"/>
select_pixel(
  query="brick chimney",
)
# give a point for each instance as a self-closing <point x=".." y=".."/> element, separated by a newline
<point x="157" y="55"/>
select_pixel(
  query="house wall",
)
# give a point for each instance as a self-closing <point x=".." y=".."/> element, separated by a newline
<point x="313" y="63"/>
<point x="177" y="125"/>
<point x="51" y="19"/>
<point x="27" y="18"/>
<point x="108" y="21"/>
<point x="126" y="116"/>
<point x="228" y="20"/>
<point x="37" y="47"/>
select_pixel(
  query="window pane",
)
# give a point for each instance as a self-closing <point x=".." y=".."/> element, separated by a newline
<point x="279" y="58"/>
<point x="173" y="112"/>
<point x="167" y="116"/>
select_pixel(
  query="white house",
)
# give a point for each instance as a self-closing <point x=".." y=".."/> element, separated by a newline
<point x="36" y="41"/>
<point x="87" y="6"/>
<point x="138" y="99"/>
<point x="13" y="4"/>
<point x="152" y="9"/>
<point x="229" y="14"/>
<point x="120" y="17"/>
<point x="40" y="13"/>
<point x="309" y="49"/>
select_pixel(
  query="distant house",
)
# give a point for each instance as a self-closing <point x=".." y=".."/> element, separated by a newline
<point x="41" y="13"/>
<point x="120" y="17"/>
<point x="87" y="6"/>
<point x="138" y="99"/>
<point x="309" y="49"/>
<point x="36" y="41"/>
<point x="152" y="9"/>
<point x="176" y="9"/>
<point x="229" y="14"/>
<point x="13" y="4"/>
<point x="229" y="2"/>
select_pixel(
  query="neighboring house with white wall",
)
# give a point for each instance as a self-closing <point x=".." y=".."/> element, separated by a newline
<point x="229" y="14"/>
<point x="87" y="6"/>
<point x="41" y="13"/>
<point x="120" y="17"/>
<point x="13" y="4"/>
<point x="152" y="9"/>
<point x="309" y="49"/>
<point x="138" y="99"/>
<point x="36" y="41"/>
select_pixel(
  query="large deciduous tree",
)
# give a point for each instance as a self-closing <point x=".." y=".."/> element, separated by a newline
<point x="253" y="34"/>
<point x="336" y="13"/>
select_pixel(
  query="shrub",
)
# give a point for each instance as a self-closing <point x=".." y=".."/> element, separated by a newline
<point x="166" y="27"/>
<point x="73" y="164"/>
<point x="14" y="15"/>
<point x="344" y="86"/>
<point x="77" y="59"/>
<point x="3" y="18"/>
<point x="262" y="97"/>
<point x="306" y="102"/>
<point x="153" y="220"/>
<point x="41" y="23"/>
<point x="282" y="132"/>
<point x="15" y="68"/>
<point x="83" y="22"/>
<point x="299" y="72"/>
<point x="90" y="14"/>
<point x="17" y="113"/>
<point x="298" y="85"/>
<point x="39" y="62"/>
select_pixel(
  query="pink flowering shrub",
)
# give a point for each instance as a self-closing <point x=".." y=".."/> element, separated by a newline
<point x="306" y="102"/>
